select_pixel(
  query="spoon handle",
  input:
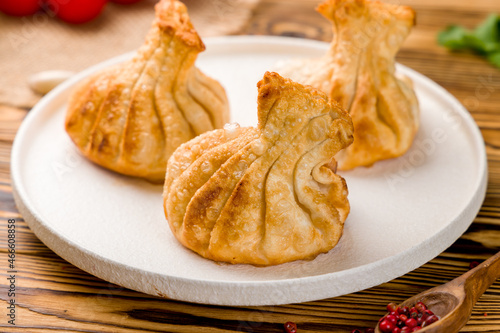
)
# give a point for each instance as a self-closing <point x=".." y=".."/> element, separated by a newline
<point x="480" y="278"/>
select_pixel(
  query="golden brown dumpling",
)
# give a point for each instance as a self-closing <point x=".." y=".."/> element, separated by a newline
<point x="264" y="195"/>
<point x="359" y="72"/>
<point x="131" y="117"/>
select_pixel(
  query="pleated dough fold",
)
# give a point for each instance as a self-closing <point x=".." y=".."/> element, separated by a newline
<point x="359" y="72"/>
<point x="131" y="117"/>
<point x="264" y="195"/>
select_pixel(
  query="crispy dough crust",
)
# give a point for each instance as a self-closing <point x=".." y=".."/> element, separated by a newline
<point x="264" y="195"/>
<point x="131" y="117"/>
<point x="359" y="72"/>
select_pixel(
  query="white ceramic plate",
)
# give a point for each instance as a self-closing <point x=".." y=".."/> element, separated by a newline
<point x="404" y="211"/>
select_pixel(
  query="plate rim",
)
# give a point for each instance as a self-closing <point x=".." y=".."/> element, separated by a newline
<point x="43" y="230"/>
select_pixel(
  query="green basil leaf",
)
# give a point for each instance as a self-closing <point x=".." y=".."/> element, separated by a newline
<point x="489" y="33"/>
<point x="453" y="37"/>
<point x="475" y="44"/>
<point x="484" y="39"/>
<point x="494" y="58"/>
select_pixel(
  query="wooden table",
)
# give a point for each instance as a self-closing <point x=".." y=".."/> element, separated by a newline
<point x="53" y="295"/>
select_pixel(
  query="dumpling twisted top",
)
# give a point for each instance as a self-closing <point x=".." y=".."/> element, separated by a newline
<point x="359" y="72"/>
<point x="131" y="117"/>
<point x="264" y="195"/>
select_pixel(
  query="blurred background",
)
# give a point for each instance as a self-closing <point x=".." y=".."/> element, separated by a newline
<point x="33" y="40"/>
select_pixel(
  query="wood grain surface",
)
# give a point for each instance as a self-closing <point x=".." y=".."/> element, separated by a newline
<point x="53" y="295"/>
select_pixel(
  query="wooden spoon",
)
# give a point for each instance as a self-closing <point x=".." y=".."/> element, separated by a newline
<point x="453" y="301"/>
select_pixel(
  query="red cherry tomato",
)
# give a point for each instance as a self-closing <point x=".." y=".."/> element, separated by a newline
<point x="76" y="11"/>
<point x="125" y="2"/>
<point x="20" y="7"/>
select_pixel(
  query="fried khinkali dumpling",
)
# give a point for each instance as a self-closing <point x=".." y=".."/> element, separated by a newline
<point x="131" y="117"/>
<point x="359" y="72"/>
<point x="264" y="195"/>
